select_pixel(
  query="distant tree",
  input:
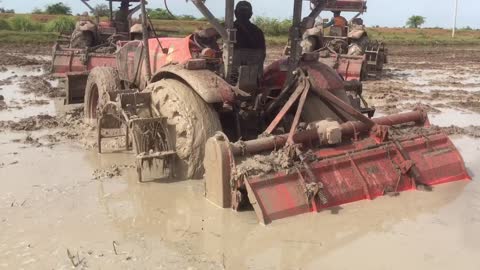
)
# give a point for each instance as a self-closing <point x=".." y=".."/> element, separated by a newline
<point x="58" y="8"/>
<point x="37" y="11"/>
<point x="415" y="21"/>
<point x="160" y="14"/>
<point x="102" y="10"/>
<point x="186" y="18"/>
<point x="3" y="10"/>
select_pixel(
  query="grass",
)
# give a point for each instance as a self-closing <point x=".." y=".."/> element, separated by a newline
<point x="406" y="36"/>
<point x="15" y="37"/>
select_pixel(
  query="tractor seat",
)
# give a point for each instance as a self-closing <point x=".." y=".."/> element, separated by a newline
<point x="247" y="69"/>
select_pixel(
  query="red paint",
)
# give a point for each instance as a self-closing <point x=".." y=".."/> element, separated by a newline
<point x="435" y="157"/>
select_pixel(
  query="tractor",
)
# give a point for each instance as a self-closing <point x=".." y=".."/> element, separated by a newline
<point x="286" y="139"/>
<point x="348" y="50"/>
<point x="90" y="33"/>
<point x="92" y="44"/>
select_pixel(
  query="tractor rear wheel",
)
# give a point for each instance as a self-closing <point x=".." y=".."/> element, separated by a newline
<point x="194" y="120"/>
<point x="101" y="81"/>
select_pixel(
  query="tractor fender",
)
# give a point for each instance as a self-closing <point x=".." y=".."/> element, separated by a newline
<point x="321" y="75"/>
<point x="208" y="85"/>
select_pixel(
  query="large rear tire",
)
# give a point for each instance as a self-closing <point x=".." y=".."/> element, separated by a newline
<point x="100" y="83"/>
<point x="194" y="120"/>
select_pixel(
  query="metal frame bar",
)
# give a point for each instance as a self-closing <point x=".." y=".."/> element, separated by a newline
<point x="145" y="40"/>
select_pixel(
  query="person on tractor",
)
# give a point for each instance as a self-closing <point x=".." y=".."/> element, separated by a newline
<point x="121" y="17"/>
<point x="338" y="22"/>
<point x="249" y="36"/>
<point x="250" y="48"/>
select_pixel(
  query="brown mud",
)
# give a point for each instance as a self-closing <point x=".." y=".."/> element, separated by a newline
<point x="65" y="207"/>
<point x="40" y="86"/>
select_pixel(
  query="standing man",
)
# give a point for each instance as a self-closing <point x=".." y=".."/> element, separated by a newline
<point x="250" y="49"/>
<point x="249" y="36"/>
<point x="121" y="17"/>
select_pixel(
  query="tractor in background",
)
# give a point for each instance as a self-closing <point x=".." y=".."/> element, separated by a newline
<point x="349" y="50"/>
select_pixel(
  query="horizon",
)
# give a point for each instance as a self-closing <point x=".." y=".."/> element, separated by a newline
<point x="436" y="14"/>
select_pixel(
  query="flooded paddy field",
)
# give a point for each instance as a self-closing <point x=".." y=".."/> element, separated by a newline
<point x="62" y="204"/>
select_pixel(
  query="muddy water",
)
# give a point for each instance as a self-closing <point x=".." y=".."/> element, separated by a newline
<point x="49" y="203"/>
<point x="19" y="104"/>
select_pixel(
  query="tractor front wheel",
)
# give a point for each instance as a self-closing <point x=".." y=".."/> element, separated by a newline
<point x="101" y="81"/>
<point x="194" y="122"/>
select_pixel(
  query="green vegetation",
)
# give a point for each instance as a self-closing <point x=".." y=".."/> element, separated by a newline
<point x="430" y="36"/>
<point x="61" y="24"/>
<point x="160" y="14"/>
<point x="41" y="28"/>
<point x="415" y="21"/>
<point x="163" y="14"/>
<point x="58" y="9"/>
<point x="273" y="27"/>
<point x="4" y="25"/>
<point x="14" y="37"/>
<point x="3" y="10"/>
<point x="24" y="23"/>
<point x="102" y="10"/>
<point x="54" y="9"/>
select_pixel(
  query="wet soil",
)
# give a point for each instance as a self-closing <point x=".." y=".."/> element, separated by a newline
<point x="64" y="206"/>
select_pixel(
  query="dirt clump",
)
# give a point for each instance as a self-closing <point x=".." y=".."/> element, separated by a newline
<point x="35" y="102"/>
<point x="39" y="86"/>
<point x="3" y="105"/>
<point x="31" y="123"/>
<point x="111" y="172"/>
<point x="3" y="69"/>
<point x="7" y="81"/>
<point x="264" y="164"/>
<point x="8" y="59"/>
<point x="409" y="130"/>
<point x="473" y="106"/>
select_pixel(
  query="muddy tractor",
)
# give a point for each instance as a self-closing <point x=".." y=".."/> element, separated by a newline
<point x="348" y="50"/>
<point x="93" y="44"/>
<point x="91" y="33"/>
<point x="287" y="139"/>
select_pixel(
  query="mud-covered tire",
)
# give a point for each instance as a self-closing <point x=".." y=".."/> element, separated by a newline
<point x="101" y="81"/>
<point x="194" y="120"/>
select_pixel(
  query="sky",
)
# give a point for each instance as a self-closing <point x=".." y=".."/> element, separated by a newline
<point x="390" y="13"/>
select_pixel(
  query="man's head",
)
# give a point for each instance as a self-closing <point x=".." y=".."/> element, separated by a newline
<point x="337" y="13"/>
<point x="243" y="11"/>
<point x="124" y="5"/>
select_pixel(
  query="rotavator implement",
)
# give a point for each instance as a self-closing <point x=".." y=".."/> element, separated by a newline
<point x="291" y="139"/>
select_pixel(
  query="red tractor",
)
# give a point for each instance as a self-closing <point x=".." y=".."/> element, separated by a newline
<point x="347" y="49"/>
<point x="287" y="141"/>
<point x="92" y="44"/>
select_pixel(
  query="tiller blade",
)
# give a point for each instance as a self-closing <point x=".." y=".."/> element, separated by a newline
<point x="326" y="175"/>
<point x="328" y="163"/>
<point x="364" y="170"/>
